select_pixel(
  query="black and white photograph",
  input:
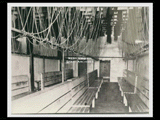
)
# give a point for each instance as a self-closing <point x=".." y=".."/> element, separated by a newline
<point x="80" y="59"/>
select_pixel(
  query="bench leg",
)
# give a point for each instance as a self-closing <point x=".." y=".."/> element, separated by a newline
<point x="97" y="95"/>
<point x="130" y="109"/>
<point x="98" y="89"/>
<point x="121" y="91"/>
<point x="93" y="103"/>
<point x="125" y="100"/>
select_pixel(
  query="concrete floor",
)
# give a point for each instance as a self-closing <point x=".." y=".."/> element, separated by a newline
<point x="109" y="100"/>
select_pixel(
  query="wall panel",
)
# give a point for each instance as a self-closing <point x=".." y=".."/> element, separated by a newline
<point x="52" y="65"/>
<point x="20" y="65"/>
<point x="38" y="68"/>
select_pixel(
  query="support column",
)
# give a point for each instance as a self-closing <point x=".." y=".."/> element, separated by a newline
<point x="62" y="65"/>
<point x="127" y="64"/>
<point x="93" y="64"/>
<point x="75" y="68"/>
<point x="30" y="51"/>
<point x="42" y="77"/>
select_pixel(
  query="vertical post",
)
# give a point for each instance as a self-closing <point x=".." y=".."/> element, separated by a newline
<point x="125" y="100"/>
<point x="88" y="79"/>
<point x="42" y="75"/>
<point x="93" y="64"/>
<point x="42" y="81"/>
<point x="93" y="103"/>
<point x="43" y="65"/>
<point x="62" y="65"/>
<point x="30" y="51"/>
<point x="130" y="109"/>
<point x="135" y="87"/>
<point x="75" y="68"/>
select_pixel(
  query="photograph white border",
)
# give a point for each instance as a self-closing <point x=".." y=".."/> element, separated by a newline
<point x="150" y="5"/>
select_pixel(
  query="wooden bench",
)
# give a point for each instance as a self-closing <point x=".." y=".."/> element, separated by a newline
<point x="135" y="92"/>
<point x="136" y="104"/>
<point x="139" y="102"/>
<point x="83" y="97"/>
<point x="127" y="84"/>
<point x="125" y="87"/>
<point x="20" y="86"/>
<point x="84" y="102"/>
<point x="51" y="78"/>
<point x="52" y="99"/>
<point x="59" y="98"/>
<point x="68" y="74"/>
<point x="94" y="81"/>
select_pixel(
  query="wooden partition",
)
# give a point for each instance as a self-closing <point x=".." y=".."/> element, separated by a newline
<point x="92" y="76"/>
<point x="68" y="74"/>
<point x="51" y="78"/>
<point x="20" y="84"/>
<point x="130" y="76"/>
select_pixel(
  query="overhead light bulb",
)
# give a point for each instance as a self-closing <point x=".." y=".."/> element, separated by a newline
<point x="138" y="41"/>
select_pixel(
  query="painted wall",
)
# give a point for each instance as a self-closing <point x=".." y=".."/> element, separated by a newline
<point x="131" y="65"/>
<point x="52" y="65"/>
<point x="38" y="68"/>
<point x="117" y="65"/>
<point x="20" y="65"/>
<point x="89" y="65"/>
<point x="142" y="66"/>
<point x="75" y="68"/>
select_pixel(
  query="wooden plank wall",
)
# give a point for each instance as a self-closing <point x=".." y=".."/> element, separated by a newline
<point x="20" y="84"/>
<point x="68" y="74"/>
<point x="44" y="51"/>
<point x="50" y="78"/>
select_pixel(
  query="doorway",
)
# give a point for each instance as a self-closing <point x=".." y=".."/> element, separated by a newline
<point x="105" y="70"/>
<point x="82" y="68"/>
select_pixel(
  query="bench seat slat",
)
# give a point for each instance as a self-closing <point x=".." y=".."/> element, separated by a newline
<point x="95" y="84"/>
<point x="136" y="103"/>
<point x="126" y="87"/>
<point x="86" y="97"/>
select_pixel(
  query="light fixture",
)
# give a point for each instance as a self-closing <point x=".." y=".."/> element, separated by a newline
<point x="138" y="41"/>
